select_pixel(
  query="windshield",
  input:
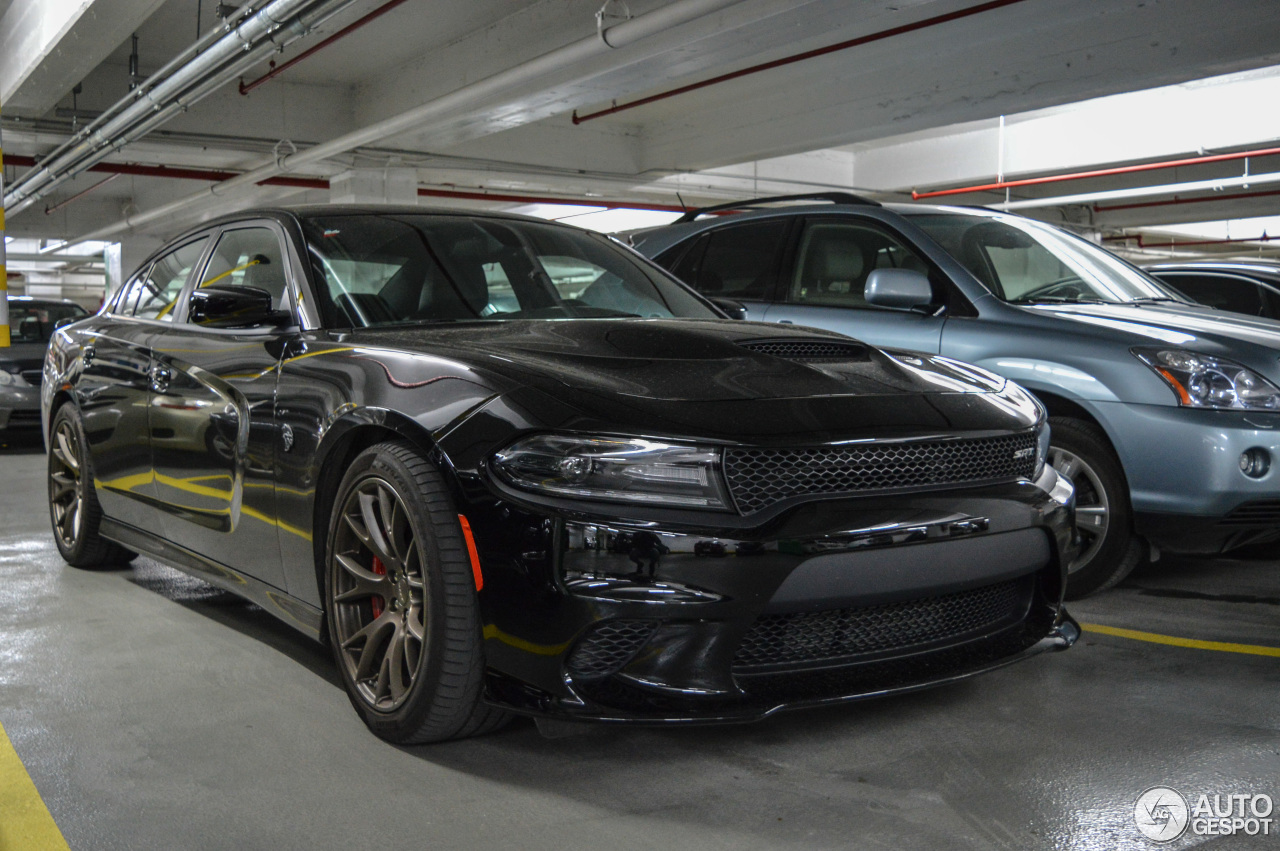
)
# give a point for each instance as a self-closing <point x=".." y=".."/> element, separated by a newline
<point x="1026" y="262"/>
<point x="387" y="269"/>
<point x="33" y="321"/>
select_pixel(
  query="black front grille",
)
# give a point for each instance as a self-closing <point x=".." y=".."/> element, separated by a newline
<point x="808" y="351"/>
<point x="608" y="646"/>
<point x="840" y="635"/>
<point x="1260" y="513"/>
<point x="759" y="478"/>
<point x="34" y="377"/>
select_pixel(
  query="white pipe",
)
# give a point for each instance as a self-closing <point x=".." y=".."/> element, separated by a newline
<point x="462" y="100"/>
<point x="278" y="23"/>
<point x="1140" y="192"/>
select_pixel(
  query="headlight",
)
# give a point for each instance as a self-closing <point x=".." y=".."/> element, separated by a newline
<point x="1042" y="448"/>
<point x="1205" y="381"/>
<point x="6" y="378"/>
<point x="617" y="469"/>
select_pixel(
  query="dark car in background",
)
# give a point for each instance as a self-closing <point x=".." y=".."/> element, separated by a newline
<point x="1251" y="287"/>
<point x="1165" y="413"/>
<point x="31" y="323"/>
<point x="506" y="465"/>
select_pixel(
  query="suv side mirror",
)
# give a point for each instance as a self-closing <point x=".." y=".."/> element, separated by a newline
<point x="899" y="289"/>
<point x="735" y="309"/>
<point x="233" y="307"/>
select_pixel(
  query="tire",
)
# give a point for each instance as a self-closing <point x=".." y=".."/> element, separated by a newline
<point x="1080" y="451"/>
<point x="404" y="623"/>
<point x="73" y="504"/>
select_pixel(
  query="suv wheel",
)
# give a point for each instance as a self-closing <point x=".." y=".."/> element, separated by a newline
<point x="1110" y="549"/>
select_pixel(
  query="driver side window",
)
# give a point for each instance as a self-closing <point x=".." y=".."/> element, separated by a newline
<point x="835" y="259"/>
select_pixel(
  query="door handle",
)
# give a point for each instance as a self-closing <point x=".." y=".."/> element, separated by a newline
<point x="160" y="377"/>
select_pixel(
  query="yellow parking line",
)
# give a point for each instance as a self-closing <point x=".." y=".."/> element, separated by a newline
<point x="25" y="823"/>
<point x="1156" y="638"/>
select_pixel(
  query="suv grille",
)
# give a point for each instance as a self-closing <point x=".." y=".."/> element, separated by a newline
<point x="609" y="646"/>
<point x="836" y="635"/>
<point x="759" y="478"/>
<point x="808" y="350"/>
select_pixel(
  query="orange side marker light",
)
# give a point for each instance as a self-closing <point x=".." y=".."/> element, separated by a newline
<point x="1177" y="386"/>
<point x="471" y="551"/>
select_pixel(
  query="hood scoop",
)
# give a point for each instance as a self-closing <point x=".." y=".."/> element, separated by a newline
<point x="809" y="351"/>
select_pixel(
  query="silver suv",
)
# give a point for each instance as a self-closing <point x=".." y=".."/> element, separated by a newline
<point x="1166" y="414"/>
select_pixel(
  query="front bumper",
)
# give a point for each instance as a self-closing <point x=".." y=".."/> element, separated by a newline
<point x="19" y="408"/>
<point x="831" y="601"/>
<point x="1185" y="484"/>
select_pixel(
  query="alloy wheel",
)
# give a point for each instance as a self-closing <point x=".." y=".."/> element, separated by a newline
<point x="66" y="497"/>
<point x="1093" y="510"/>
<point x="377" y="582"/>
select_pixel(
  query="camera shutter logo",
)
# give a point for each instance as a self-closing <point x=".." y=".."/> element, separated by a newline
<point x="1161" y="814"/>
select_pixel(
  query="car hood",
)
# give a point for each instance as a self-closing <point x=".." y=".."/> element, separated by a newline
<point x="679" y="360"/>
<point x="1184" y="325"/>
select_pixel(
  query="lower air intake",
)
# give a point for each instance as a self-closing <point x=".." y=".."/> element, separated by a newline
<point x="608" y="646"/>
<point x="843" y="635"/>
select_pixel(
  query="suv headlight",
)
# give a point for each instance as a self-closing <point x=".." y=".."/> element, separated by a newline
<point x="9" y="376"/>
<point x="1207" y="381"/>
<point x="616" y="469"/>
<point x="1042" y="448"/>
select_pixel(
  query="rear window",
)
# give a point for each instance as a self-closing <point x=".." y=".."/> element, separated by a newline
<point x="33" y="322"/>
<point x="383" y="269"/>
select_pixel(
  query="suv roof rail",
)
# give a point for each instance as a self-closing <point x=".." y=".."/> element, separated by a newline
<point x="833" y="197"/>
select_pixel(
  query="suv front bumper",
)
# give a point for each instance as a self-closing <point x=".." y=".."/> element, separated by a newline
<point x="1183" y="467"/>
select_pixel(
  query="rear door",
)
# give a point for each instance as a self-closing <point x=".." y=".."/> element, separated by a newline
<point x="823" y="285"/>
<point x="115" y="385"/>
<point x="214" y="434"/>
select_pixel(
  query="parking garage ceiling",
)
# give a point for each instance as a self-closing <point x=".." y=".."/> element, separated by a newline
<point x="918" y="104"/>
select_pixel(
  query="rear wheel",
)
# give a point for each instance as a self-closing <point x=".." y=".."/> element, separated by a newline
<point x="403" y="617"/>
<point x="1110" y="549"/>
<point x="73" y="505"/>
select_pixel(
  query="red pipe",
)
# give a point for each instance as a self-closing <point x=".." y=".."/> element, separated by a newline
<point x="76" y="197"/>
<point x="245" y="88"/>
<point x="216" y="176"/>
<point x="1174" y="201"/>
<point x="799" y="57"/>
<point x="1101" y="172"/>
<point x="1171" y="244"/>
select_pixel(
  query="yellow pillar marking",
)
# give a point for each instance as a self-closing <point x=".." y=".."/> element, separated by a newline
<point x="1175" y="641"/>
<point x="25" y="823"/>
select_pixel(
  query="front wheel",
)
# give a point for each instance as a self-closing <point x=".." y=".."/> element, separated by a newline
<point x="403" y="617"/>
<point x="73" y="504"/>
<point x="1110" y="550"/>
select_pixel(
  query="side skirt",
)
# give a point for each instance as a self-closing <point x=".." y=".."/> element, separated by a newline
<point x="297" y="614"/>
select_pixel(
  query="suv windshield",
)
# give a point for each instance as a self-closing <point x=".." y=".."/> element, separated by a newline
<point x="391" y="269"/>
<point x="33" y="321"/>
<point x="1027" y="262"/>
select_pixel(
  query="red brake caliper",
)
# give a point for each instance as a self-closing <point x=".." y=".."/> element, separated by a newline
<point x="376" y="601"/>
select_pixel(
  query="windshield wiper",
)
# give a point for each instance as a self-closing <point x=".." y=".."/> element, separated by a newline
<point x="1057" y="299"/>
<point x="1155" y="300"/>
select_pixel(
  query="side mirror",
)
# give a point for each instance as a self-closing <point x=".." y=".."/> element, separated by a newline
<point x="233" y="307"/>
<point x="735" y="309"/>
<point x="899" y="289"/>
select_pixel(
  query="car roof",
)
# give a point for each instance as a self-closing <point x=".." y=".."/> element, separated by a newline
<point x="57" y="302"/>
<point x="295" y="213"/>
<point x="1256" y="267"/>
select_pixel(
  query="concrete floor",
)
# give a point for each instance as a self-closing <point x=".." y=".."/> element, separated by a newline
<point x="153" y="711"/>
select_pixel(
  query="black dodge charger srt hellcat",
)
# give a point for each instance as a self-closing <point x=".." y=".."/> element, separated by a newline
<point x="506" y="465"/>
